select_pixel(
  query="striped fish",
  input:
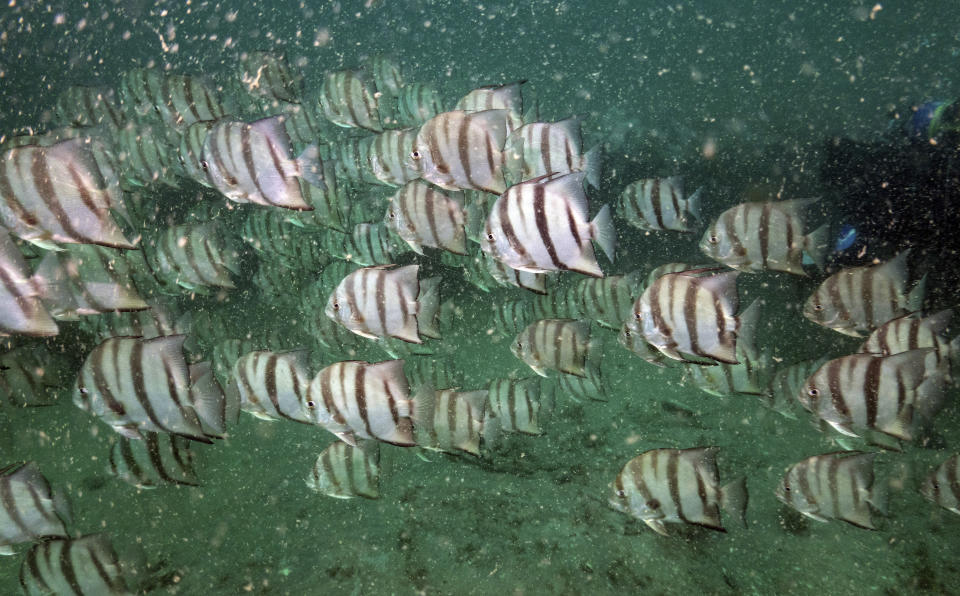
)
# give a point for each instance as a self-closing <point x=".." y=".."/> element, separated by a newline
<point x="146" y="156"/>
<point x="87" y="566"/>
<point x="631" y="337"/>
<point x="343" y="471"/>
<point x="349" y="100"/>
<point x="226" y="352"/>
<point x="894" y="395"/>
<point x="178" y="100"/>
<point x="541" y="225"/>
<point x="389" y="157"/>
<point x="267" y="74"/>
<point x="89" y="106"/>
<point x="424" y="215"/>
<point x="137" y="385"/>
<point x="542" y="148"/>
<point x="29" y="510"/>
<point x="59" y="193"/>
<point x="860" y="299"/>
<point x="663" y="486"/>
<point x="193" y="257"/>
<point x="157" y="460"/>
<point x="376" y="302"/>
<point x="386" y="75"/>
<point x="577" y="388"/>
<point x="21" y="311"/>
<point x="515" y="403"/>
<point x="942" y="486"/>
<point x="454" y="420"/>
<point x="86" y="280"/>
<point x="272" y="385"/>
<point x="460" y="150"/>
<point x="508" y="97"/>
<point x="833" y="486"/>
<point x="653" y="204"/>
<point x="769" y="235"/>
<point x="608" y="300"/>
<point x="252" y="163"/>
<point x="691" y="314"/>
<point x="418" y="103"/>
<point x="913" y="332"/>
<point x="562" y="345"/>
<point x="787" y="382"/>
<point x="747" y="377"/>
<point x="354" y="399"/>
<point x="190" y="153"/>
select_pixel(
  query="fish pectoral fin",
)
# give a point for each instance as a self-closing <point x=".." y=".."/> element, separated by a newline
<point x="815" y="516"/>
<point x="843" y="428"/>
<point x="539" y="370"/>
<point x="657" y="526"/>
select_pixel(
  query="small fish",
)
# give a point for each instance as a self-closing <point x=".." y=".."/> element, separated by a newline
<point x="541" y="226"/>
<point x="354" y="399"/>
<point x="389" y="157"/>
<point x="942" y="486"/>
<point x="461" y="150"/>
<point x="507" y="97"/>
<point x="663" y="486"/>
<point x="426" y="216"/>
<point x="860" y="299"/>
<point x="659" y="204"/>
<point x="769" y="235"/>
<point x="387" y="75"/>
<point x="21" y="309"/>
<point x="515" y="403"/>
<point x="541" y="148"/>
<point x="29" y="509"/>
<point x="833" y="485"/>
<point x="562" y="345"/>
<point x="269" y="75"/>
<point x="89" y="106"/>
<point x="193" y="256"/>
<point x="349" y="101"/>
<point x="376" y="302"/>
<point x="156" y="460"/>
<point x="455" y="420"/>
<point x="418" y="103"/>
<point x="343" y="471"/>
<point x="272" y="385"/>
<point x="87" y="566"/>
<point x="913" y="332"/>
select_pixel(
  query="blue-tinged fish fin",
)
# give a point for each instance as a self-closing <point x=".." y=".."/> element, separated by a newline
<point x="749" y="319"/>
<point x="310" y="167"/>
<point x="817" y="244"/>
<point x="347" y="437"/>
<point x="917" y="294"/>
<point x="7" y="550"/>
<point x="734" y="499"/>
<point x="423" y="401"/>
<point x="843" y="428"/>
<point x="694" y="203"/>
<point x="657" y="526"/>
<point x="604" y="233"/>
<point x="815" y="516"/>
<point x="591" y="166"/>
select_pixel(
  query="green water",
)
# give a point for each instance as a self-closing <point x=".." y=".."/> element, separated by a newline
<point x="766" y="82"/>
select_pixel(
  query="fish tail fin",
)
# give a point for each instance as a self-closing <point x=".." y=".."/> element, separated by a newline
<point x="917" y="294"/>
<point x="424" y="401"/>
<point x="592" y="161"/>
<point x="694" y="204"/>
<point x="311" y="167"/>
<point x="817" y="243"/>
<point x="734" y="499"/>
<point x="604" y="233"/>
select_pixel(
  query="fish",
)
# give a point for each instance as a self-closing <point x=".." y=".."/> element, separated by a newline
<point x="157" y="460"/>
<point x="941" y="486"/>
<point x="562" y="345"/>
<point x="389" y="157"/>
<point x="193" y="256"/>
<point x="86" y="279"/>
<point x="137" y="385"/>
<point x="417" y="103"/>
<point x="654" y="204"/>
<point x="515" y="403"/>
<point x="766" y="236"/>
<point x="87" y="566"/>
<point x="459" y="150"/>
<point x="83" y="106"/>
<point x="355" y="399"/>
<point x="271" y="385"/>
<point x="29" y="509"/>
<point x="631" y="337"/>
<point x="146" y="156"/>
<point x="424" y="215"/>
<point x="454" y="422"/>
<point x="507" y="276"/>
<point x="349" y="101"/>
<point x="268" y="74"/>
<point x="60" y="193"/>
<point x="252" y="163"/>
<point x="664" y="486"/>
<point x="343" y="471"/>
<point x="608" y="300"/>
<point x="893" y="395"/>
<point x="786" y="382"/>
<point x="541" y="226"/>
<point x="508" y="97"/>
<point x="190" y="152"/>
<point x="377" y="302"/>
<point x="387" y="75"/>
<point x="21" y="309"/>
<point x="834" y="486"/>
<point x="176" y="100"/>
<point x="541" y="148"/>
<point x="860" y="299"/>
<point x="747" y="377"/>
<point x="912" y="332"/>
<point x="691" y="314"/>
<point x="588" y="387"/>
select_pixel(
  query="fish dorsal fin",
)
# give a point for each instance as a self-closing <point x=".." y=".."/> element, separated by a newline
<point x="724" y="286"/>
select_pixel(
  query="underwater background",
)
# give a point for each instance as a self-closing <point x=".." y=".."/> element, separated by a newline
<point x="766" y="86"/>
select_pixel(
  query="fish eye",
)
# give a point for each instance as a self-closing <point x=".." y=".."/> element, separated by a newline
<point x="392" y="215"/>
<point x="204" y="164"/>
<point x="813" y="392"/>
<point x="84" y="390"/>
<point x="713" y="239"/>
<point x="311" y="404"/>
<point x="415" y="154"/>
<point x="621" y="493"/>
<point x="490" y="237"/>
<point x="817" y="306"/>
<point x="519" y="345"/>
<point x="336" y="306"/>
<point x="637" y="316"/>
